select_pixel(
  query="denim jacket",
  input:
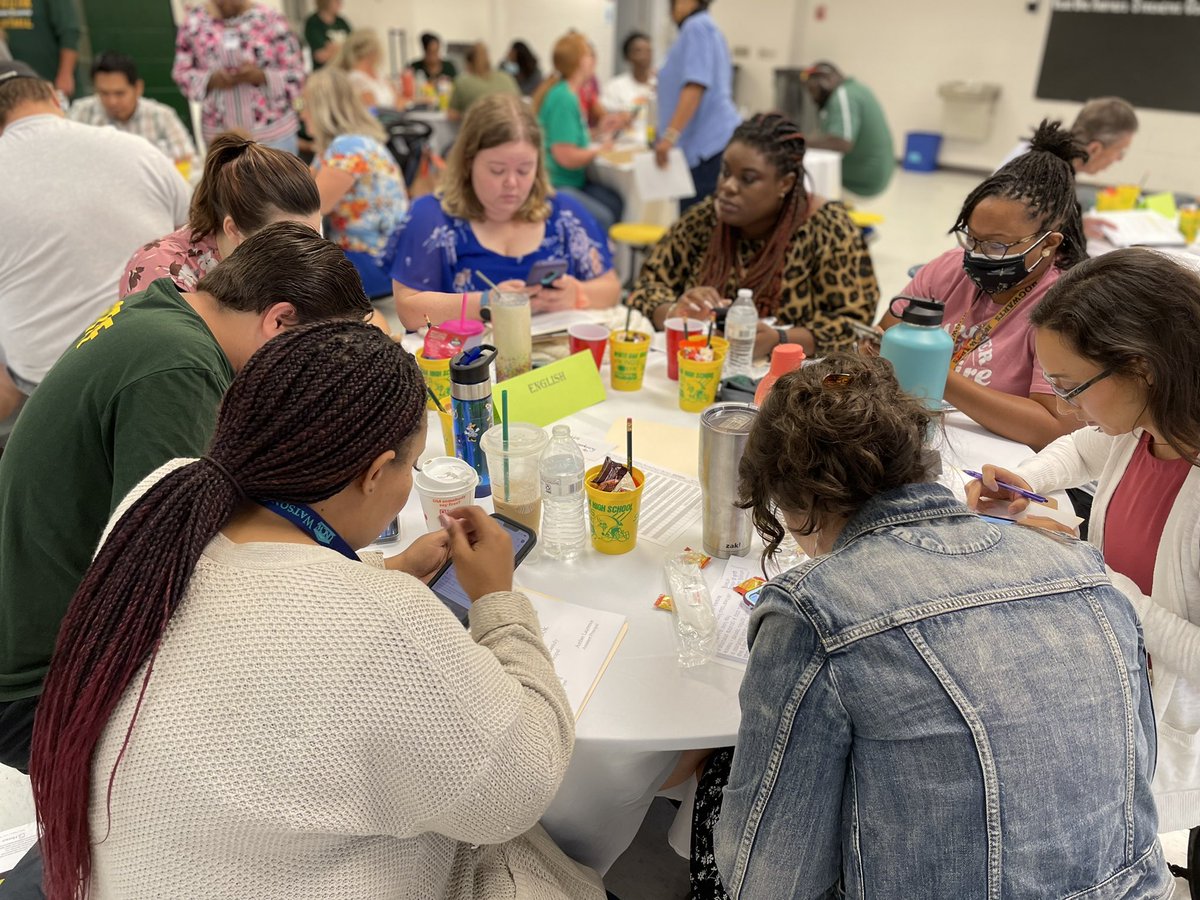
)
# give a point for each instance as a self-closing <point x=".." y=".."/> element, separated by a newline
<point x="943" y="707"/>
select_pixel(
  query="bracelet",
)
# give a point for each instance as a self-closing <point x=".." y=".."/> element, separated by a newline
<point x="670" y="135"/>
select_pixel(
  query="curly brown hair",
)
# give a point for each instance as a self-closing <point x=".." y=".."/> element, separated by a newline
<point x="829" y="437"/>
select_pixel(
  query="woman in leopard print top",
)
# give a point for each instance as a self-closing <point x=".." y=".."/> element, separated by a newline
<point x="801" y="255"/>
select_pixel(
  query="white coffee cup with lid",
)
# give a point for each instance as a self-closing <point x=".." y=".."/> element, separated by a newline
<point x="444" y="483"/>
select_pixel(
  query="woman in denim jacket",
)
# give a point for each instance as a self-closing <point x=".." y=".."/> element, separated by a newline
<point x="936" y="705"/>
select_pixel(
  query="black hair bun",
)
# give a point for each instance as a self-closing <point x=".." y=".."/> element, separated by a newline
<point x="1051" y="137"/>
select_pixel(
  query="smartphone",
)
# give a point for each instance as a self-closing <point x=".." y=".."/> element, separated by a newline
<point x="546" y="272"/>
<point x="445" y="582"/>
<point x="865" y="332"/>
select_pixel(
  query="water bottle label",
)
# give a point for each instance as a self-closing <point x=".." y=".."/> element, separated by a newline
<point x="563" y="486"/>
<point x="745" y="332"/>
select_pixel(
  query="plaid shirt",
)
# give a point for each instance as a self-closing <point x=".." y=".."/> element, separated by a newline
<point x="154" y="121"/>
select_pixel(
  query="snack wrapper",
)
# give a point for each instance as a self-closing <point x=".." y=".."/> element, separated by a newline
<point x="702" y="559"/>
<point x="698" y="354"/>
<point x="664" y="602"/>
<point x="614" y="477"/>
<point x="749" y="585"/>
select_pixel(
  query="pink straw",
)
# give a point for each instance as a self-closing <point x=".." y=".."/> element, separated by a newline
<point x="462" y="313"/>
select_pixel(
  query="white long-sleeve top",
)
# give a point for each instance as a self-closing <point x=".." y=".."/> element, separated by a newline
<point x="320" y="728"/>
<point x="1170" y="618"/>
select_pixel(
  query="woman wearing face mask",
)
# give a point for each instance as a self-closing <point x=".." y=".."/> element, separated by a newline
<point x="493" y="217"/>
<point x="238" y="700"/>
<point x="935" y="706"/>
<point x="1019" y="231"/>
<point x="1119" y="338"/>
<point x="801" y="255"/>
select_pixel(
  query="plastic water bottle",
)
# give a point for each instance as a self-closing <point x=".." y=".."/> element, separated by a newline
<point x="741" y="327"/>
<point x="564" y="512"/>
<point x="919" y="350"/>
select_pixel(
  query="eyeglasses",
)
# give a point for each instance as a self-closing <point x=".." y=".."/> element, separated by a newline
<point x="993" y="249"/>
<point x="1068" y="397"/>
<point x="837" y="379"/>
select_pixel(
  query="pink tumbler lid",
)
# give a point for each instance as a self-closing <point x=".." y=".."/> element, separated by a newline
<point x="464" y="328"/>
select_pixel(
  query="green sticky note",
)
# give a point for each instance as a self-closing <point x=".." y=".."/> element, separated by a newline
<point x="1163" y="204"/>
<point x="553" y="392"/>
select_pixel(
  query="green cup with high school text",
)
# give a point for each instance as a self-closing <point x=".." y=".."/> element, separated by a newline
<point x="627" y="359"/>
<point x="436" y="373"/>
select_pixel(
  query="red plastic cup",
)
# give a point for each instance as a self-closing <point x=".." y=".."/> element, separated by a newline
<point x="585" y="336"/>
<point x="674" y="329"/>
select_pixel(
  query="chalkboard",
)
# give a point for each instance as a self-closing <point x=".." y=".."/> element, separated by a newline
<point x="1146" y="51"/>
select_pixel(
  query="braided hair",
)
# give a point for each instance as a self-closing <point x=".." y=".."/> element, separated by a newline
<point x="307" y="415"/>
<point x="781" y="142"/>
<point x="1044" y="180"/>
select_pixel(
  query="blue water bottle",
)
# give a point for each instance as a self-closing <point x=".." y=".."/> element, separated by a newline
<point x="471" y="408"/>
<point x="919" y="350"/>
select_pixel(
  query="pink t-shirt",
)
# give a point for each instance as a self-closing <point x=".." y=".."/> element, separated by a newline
<point x="1138" y="512"/>
<point x="1005" y="360"/>
<point x="182" y="256"/>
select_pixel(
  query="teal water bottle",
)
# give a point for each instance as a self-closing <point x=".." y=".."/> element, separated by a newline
<point x="919" y="350"/>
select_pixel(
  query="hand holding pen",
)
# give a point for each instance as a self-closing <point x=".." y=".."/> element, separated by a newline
<point x="1001" y="484"/>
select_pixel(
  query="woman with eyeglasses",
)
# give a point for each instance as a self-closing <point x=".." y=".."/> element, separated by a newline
<point x="935" y="705"/>
<point x="1018" y="231"/>
<point x="1119" y="338"/>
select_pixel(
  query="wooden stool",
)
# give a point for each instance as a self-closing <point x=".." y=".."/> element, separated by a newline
<point x="639" y="237"/>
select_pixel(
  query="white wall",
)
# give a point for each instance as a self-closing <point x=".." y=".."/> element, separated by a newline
<point x="902" y="50"/>
<point x="761" y="38"/>
<point x="498" y="22"/>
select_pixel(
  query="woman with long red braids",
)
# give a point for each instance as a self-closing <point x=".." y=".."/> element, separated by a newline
<point x="241" y="704"/>
<point x="802" y="257"/>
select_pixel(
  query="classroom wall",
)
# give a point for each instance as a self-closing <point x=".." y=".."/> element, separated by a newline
<point x="761" y="38"/>
<point x="902" y="51"/>
<point x="498" y="22"/>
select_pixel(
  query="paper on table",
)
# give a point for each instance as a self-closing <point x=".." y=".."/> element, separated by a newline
<point x="732" y="616"/>
<point x="558" y="322"/>
<point x="581" y="641"/>
<point x="1139" y="228"/>
<point x="675" y="448"/>
<point x="671" y="183"/>
<point x="14" y="843"/>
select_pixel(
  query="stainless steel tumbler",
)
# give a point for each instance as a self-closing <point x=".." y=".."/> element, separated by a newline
<point x="724" y="429"/>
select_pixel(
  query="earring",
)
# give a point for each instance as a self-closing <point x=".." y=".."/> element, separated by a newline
<point x="1045" y="253"/>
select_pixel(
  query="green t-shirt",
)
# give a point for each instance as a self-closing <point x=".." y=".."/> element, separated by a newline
<point x="38" y="29"/>
<point x="449" y="70"/>
<point x="470" y="88"/>
<point x="561" y="118"/>
<point x="853" y="114"/>
<point x="317" y="34"/>
<point x="141" y="386"/>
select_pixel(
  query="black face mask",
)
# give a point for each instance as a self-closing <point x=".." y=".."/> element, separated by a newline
<point x="995" y="276"/>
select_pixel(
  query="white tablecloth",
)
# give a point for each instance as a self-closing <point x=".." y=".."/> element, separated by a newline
<point x="646" y="708"/>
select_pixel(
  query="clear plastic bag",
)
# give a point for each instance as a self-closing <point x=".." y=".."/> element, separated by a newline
<point x="695" y="624"/>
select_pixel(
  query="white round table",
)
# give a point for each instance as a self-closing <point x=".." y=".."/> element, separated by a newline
<point x="646" y="707"/>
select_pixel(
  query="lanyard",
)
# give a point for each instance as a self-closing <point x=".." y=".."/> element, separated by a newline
<point x="981" y="335"/>
<point x="307" y="520"/>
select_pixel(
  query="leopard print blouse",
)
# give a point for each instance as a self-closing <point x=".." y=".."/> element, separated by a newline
<point x="828" y="278"/>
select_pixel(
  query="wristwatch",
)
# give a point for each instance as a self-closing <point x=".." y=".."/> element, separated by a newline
<point x="783" y="335"/>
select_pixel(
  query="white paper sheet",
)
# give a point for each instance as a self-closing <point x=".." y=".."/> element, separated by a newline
<point x="558" y="322"/>
<point x="581" y="641"/>
<point x="671" y="183"/>
<point x="732" y="616"/>
<point x="14" y="843"/>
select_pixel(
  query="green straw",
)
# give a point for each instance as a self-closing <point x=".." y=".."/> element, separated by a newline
<point x="504" y="435"/>
<point x="434" y="398"/>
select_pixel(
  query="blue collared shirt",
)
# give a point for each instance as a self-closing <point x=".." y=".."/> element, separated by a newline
<point x="699" y="56"/>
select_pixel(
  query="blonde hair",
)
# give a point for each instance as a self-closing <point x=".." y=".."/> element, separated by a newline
<point x="335" y="108"/>
<point x="491" y="122"/>
<point x="479" y="61"/>
<point x="359" y="44"/>
<point x="569" y="51"/>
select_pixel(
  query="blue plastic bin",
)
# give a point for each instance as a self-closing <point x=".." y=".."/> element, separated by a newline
<point x="921" y="151"/>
